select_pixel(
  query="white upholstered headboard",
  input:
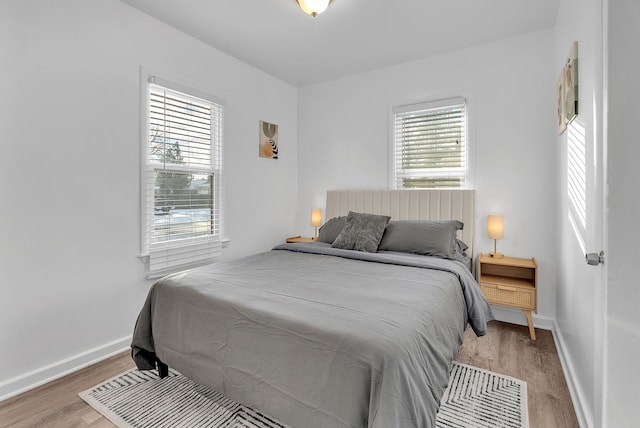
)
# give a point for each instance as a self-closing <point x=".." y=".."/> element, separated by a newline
<point x="409" y="204"/>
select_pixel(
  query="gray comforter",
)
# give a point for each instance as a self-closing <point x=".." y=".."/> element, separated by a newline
<point x="315" y="336"/>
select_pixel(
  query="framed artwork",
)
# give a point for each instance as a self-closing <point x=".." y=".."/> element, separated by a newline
<point x="562" y="123"/>
<point x="268" y="140"/>
<point x="567" y="90"/>
<point x="571" y="84"/>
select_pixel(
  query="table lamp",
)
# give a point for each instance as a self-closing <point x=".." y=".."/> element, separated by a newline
<point x="316" y="220"/>
<point x="495" y="230"/>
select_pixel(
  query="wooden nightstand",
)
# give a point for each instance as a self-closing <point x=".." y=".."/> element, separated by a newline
<point x="510" y="281"/>
<point x="300" y="239"/>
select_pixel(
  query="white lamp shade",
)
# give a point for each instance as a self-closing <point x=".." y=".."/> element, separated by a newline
<point x="316" y="217"/>
<point x="313" y="7"/>
<point x="495" y="226"/>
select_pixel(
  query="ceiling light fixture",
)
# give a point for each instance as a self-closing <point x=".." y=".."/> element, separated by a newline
<point x="313" y="7"/>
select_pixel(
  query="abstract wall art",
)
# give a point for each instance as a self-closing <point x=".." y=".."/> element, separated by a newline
<point x="567" y="90"/>
<point x="268" y="140"/>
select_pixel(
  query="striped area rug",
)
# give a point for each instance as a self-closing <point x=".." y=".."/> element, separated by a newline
<point x="475" y="398"/>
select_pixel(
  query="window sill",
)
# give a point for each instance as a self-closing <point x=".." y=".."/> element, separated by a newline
<point x="144" y="258"/>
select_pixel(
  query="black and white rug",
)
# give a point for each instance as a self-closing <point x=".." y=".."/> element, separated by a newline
<point x="475" y="398"/>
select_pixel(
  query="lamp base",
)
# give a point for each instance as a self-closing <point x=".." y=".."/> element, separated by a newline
<point x="496" y="255"/>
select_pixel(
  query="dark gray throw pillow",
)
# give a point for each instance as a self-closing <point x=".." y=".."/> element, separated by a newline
<point x="426" y="237"/>
<point x="361" y="232"/>
<point x="331" y="229"/>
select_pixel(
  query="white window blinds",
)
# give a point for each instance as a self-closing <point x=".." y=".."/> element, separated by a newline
<point x="183" y="177"/>
<point x="430" y="145"/>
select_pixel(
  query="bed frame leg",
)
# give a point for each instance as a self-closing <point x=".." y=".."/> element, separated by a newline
<point x="163" y="370"/>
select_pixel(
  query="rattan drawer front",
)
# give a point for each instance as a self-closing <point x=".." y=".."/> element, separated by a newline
<point x="509" y="296"/>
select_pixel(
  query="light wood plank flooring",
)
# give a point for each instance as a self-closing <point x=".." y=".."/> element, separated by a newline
<point x="505" y="349"/>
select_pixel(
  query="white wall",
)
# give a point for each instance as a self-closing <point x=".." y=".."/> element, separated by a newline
<point x="344" y="136"/>
<point x="579" y="297"/>
<point x="623" y="293"/>
<point x="71" y="284"/>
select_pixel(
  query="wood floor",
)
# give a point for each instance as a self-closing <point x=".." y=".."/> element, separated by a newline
<point x="505" y="349"/>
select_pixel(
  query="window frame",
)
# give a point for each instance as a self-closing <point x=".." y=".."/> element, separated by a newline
<point x="434" y="102"/>
<point x="210" y="244"/>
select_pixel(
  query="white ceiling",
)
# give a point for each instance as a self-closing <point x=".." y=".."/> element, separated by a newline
<point x="352" y="36"/>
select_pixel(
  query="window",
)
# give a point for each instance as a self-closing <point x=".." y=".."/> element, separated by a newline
<point x="182" y="184"/>
<point x="430" y="145"/>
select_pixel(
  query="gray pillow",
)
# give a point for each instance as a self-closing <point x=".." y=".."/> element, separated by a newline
<point x="461" y="254"/>
<point x="361" y="232"/>
<point x="426" y="237"/>
<point x="331" y="229"/>
<point x="461" y="246"/>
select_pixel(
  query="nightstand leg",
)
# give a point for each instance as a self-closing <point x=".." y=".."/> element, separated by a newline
<point x="532" y="332"/>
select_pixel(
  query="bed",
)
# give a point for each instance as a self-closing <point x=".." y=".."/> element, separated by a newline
<point x="318" y="336"/>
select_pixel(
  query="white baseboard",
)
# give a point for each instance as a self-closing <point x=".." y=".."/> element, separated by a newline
<point x="575" y="389"/>
<point x="24" y="382"/>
